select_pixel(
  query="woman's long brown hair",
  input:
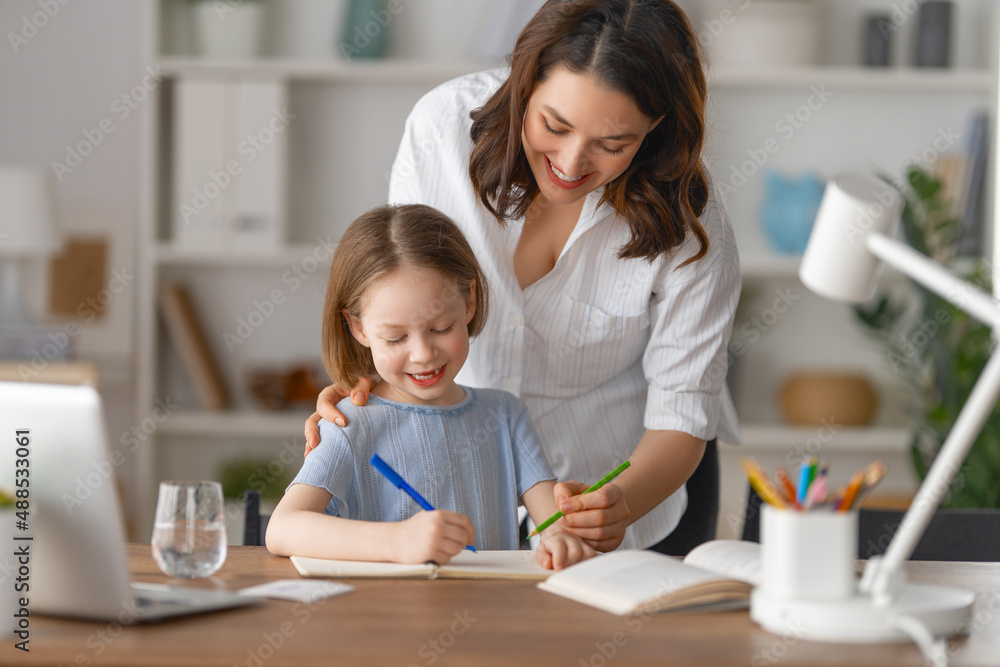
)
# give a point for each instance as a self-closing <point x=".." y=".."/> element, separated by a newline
<point x="643" y="48"/>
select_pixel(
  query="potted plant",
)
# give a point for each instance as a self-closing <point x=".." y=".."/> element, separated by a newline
<point x="937" y="349"/>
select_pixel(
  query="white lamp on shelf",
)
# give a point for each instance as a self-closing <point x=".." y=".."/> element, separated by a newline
<point x="852" y="237"/>
<point x="27" y="231"/>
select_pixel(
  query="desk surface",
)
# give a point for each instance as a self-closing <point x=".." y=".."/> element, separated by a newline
<point x="450" y="622"/>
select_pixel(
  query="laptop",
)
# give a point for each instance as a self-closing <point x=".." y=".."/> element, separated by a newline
<point x="78" y="562"/>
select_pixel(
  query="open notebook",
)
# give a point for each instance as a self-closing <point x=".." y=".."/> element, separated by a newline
<point x="714" y="576"/>
<point x="466" y="565"/>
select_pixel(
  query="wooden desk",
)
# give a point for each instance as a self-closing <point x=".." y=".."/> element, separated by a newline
<point x="446" y="622"/>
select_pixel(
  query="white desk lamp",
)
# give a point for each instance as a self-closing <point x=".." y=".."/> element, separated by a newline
<point x="854" y="229"/>
<point x="26" y="231"/>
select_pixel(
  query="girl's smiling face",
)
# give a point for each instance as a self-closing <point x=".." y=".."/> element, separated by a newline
<point x="579" y="135"/>
<point x="415" y="322"/>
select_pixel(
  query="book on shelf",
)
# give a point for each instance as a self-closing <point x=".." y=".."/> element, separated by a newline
<point x="717" y="575"/>
<point x="961" y="173"/>
<point x="192" y="346"/>
<point x="230" y="145"/>
<point x="971" y="240"/>
<point x="466" y="565"/>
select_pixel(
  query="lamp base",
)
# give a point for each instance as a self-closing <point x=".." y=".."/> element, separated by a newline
<point x="943" y="610"/>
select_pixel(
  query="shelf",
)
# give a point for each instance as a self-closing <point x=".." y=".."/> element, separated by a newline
<point x="235" y="424"/>
<point x="416" y="71"/>
<point x="168" y="254"/>
<point x="374" y="71"/>
<point x="780" y="438"/>
<point x="856" y="79"/>
<point x="767" y="265"/>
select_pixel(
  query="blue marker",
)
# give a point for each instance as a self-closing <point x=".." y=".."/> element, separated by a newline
<point x="400" y="483"/>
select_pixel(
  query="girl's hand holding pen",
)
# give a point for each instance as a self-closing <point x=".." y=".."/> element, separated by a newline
<point x="598" y="518"/>
<point x="432" y="536"/>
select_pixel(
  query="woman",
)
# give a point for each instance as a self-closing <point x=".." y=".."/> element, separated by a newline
<point x="577" y="178"/>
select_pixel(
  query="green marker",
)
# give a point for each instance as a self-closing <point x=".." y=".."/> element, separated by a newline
<point x="596" y="485"/>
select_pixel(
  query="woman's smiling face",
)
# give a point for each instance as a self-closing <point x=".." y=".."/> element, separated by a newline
<point x="579" y="135"/>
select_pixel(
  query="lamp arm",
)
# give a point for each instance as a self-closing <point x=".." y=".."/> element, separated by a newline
<point x="883" y="582"/>
<point x="945" y="283"/>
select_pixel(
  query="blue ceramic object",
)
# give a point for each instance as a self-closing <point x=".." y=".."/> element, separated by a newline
<point x="790" y="205"/>
<point x="365" y="29"/>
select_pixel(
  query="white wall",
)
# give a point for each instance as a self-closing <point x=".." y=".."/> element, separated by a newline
<point x="63" y="72"/>
<point x="60" y="81"/>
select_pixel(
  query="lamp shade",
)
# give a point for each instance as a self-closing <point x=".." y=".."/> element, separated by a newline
<point x="27" y="228"/>
<point x="837" y="263"/>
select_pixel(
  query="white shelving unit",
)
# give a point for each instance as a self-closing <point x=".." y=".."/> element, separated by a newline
<point x="845" y="118"/>
<point x="348" y="118"/>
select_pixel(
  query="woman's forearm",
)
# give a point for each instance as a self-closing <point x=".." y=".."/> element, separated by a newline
<point x="661" y="463"/>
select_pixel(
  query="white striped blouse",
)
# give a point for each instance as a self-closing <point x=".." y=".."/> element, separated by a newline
<point x="600" y="348"/>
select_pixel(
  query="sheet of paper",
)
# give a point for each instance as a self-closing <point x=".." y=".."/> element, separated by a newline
<point x="297" y="590"/>
<point x="733" y="558"/>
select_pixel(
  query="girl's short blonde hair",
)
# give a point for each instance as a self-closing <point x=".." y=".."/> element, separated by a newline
<point x="382" y="240"/>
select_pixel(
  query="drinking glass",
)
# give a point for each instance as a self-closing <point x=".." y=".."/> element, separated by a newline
<point x="189" y="534"/>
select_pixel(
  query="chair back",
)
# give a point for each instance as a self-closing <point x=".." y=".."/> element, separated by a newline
<point x="254" y="523"/>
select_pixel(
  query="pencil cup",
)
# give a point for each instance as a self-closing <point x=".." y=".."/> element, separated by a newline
<point x="808" y="555"/>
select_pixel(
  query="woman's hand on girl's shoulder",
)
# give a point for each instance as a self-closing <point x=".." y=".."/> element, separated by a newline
<point x="599" y="518"/>
<point x="326" y="408"/>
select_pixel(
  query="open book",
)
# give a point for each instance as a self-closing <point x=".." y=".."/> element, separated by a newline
<point x="716" y="575"/>
<point x="466" y="565"/>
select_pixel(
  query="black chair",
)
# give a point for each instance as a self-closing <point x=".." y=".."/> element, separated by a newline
<point x="698" y="523"/>
<point x="254" y="523"/>
<point x="952" y="534"/>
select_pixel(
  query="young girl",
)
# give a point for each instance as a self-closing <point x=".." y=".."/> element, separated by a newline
<point x="404" y="296"/>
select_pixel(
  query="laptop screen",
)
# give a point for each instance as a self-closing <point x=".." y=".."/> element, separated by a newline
<point x="76" y="551"/>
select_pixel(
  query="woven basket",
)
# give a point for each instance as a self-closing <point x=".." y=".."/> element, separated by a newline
<point x="811" y="398"/>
